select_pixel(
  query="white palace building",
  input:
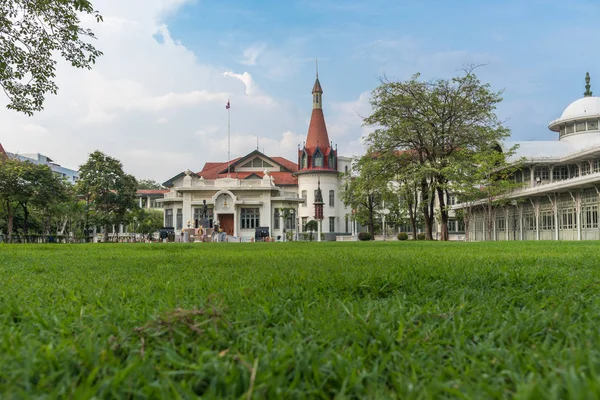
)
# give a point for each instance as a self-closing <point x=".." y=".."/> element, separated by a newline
<point x="560" y="196"/>
<point x="253" y="191"/>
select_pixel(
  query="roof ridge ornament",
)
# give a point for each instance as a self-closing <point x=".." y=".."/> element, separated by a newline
<point x="587" y="93"/>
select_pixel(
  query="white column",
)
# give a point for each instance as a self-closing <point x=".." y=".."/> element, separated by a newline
<point x="555" y="219"/>
<point x="281" y="227"/>
<point x="319" y="231"/>
<point x="578" y="216"/>
<point x="140" y="201"/>
<point x="235" y="221"/>
<point x="521" y="223"/>
<point x="507" y="224"/>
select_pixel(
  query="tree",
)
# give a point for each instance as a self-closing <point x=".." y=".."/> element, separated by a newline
<point x="145" y="221"/>
<point x="485" y="183"/>
<point x="311" y="226"/>
<point x="32" y="32"/>
<point x="149" y="184"/>
<point x="12" y="189"/>
<point x="366" y="190"/>
<point x="109" y="192"/>
<point x="442" y="122"/>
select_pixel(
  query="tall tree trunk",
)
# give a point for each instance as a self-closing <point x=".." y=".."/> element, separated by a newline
<point x="11" y="217"/>
<point x="443" y="214"/>
<point x="371" y="218"/>
<point x="25" y="220"/>
<point x="105" y="234"/>
<point x="427" y="209"/>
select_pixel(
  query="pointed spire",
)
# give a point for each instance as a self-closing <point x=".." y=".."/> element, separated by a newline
<point x="317" y="87"/>
<point x="317" y="66"/>
<point x="587" y="93"/>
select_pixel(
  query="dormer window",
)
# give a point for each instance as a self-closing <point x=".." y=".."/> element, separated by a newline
<point x="318" y="158"/>
<point x="332" y="160"/>
<point x="303" y="160"/>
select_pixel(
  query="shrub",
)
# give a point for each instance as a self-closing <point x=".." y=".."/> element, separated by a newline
<point x="421" y="236"/>
<point x="364" y="236"/>
<point x="402" y="236"/>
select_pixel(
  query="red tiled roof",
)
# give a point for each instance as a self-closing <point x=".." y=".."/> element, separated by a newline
<point x="317" y="132"/>
<point x="2" y="152"/>
<point x="152" y="191"/>
<point x="292" y="166"/>
<point x="214" y="170"/>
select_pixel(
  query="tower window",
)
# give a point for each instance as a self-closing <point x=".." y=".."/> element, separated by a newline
<point x="318" y="159"/>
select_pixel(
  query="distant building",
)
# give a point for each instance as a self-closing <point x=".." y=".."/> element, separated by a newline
<point x="560" y="197"/>
<point x="147" y="198"/>
<point x="70" y="175"/>
<point x="258" y="191"/>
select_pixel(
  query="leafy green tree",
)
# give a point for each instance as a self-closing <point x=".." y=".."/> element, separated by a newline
<point x="311" y="226"/>
<point x="32" y="33"/>
<point x="108" y="191"/>
<point x="485" y="183"/>
<point x="149" y="184"/>
<point x="145" y="221"/>
<point x="366" y="190"/>
<point x="443" y="123"/>
<point x="13" y="189"/>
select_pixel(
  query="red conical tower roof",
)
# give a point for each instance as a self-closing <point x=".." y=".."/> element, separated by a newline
<point x="317" y="131"/>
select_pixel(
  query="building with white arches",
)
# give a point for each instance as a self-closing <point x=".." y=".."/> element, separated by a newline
<point x="560" y="196"/>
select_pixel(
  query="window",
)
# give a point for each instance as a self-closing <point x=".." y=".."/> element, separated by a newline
<point x="543" y="173"/>
<point x="546" y="220"/>
<point x="304" y="196"/>
<point x="247" y="165"/>
<point x="331" y="161"/>
<point x="573" y="171"/>
<point x="179" y="219"/>
<point x="451" y="200"/>
<point x="168" y="217"/>
<point x="592" y="125"/>
<point x="318" y="159"/>
<point x="250" y="218"/>
<point x="590" y="216"/>
<point x="451" y="225"/>
<point x="518" y="177"/>
<point x="331" y="198"/>
<point x="331" y="224"/>
<point x="596" y="165"/>
<point x="529" y="222"/>
<point x="560" y="173"/>
<point x="580" y="126"/>
<point x="500" y="224"/>
<point x="565" y="218"/>
<point x="257" y="162"/>
<point x="198" y="213"/>
<point x="290" y="221"/>
<point x="562" y="131"/>
<point x="346" y="169"/>
<point x="585" y="168"/>
<point x="276" y="216"/>
<point x="570" y="128"/>
<point x="526" y="175"/>
<point x="304" y="160"/>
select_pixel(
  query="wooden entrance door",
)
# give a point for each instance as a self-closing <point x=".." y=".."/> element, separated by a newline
<point x="226" y="223"/>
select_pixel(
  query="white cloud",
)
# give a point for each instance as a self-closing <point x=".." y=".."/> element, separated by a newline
<point x="145" y="79"/>
<point x="245" y="78"/>
<point x="252" y="52"/>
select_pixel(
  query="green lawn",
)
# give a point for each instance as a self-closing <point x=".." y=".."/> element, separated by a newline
<point x="301" y="320"/>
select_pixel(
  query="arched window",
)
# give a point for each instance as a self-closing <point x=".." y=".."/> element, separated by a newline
<point x="332" y="160"/>
<point x="304" y="196"/>
<point x="303" y="160"/>
<point x="331" y="198"/>
<point x="318" y="158"/>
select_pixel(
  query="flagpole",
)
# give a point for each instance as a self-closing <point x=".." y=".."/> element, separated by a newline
<point x="228" y="139"/>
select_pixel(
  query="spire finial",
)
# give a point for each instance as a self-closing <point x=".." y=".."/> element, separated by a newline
<point x="317" y="67"/>
<point x="587" y="93"/>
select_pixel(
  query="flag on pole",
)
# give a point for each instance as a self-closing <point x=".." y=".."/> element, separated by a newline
<point x="228" y="106"/>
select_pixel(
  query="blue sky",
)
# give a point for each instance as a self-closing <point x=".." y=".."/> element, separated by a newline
<point x="537" y="51"/>
<point x="156" y="98"/>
